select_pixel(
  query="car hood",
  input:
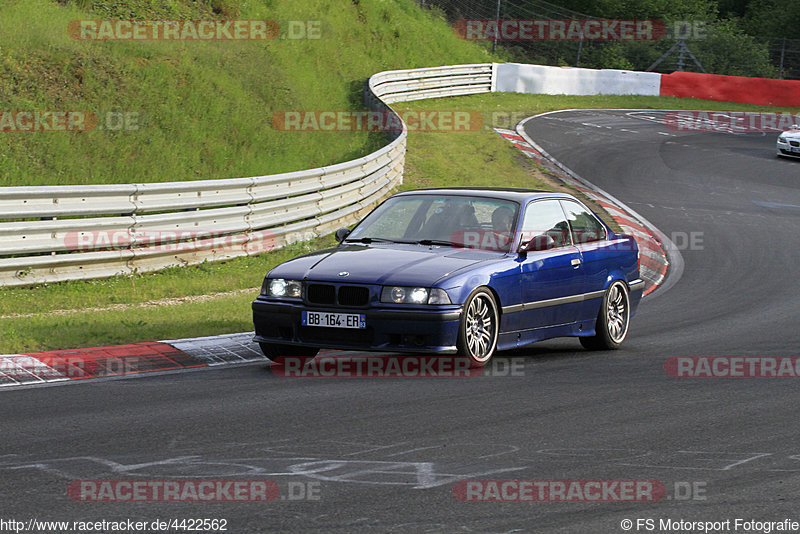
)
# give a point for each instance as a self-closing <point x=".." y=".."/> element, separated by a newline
<point x="791" y="134"/>
<point x="395" y="265"/>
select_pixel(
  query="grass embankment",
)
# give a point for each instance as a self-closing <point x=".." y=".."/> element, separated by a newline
<point x="202" y="109"/>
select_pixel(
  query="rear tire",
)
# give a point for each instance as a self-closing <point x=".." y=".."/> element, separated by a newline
<point x="278" y="353"/>
<point x="477" y="334"/>
<point x="612" y="319"/>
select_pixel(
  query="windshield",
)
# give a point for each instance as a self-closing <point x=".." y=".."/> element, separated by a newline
<point x="447" y="220"/>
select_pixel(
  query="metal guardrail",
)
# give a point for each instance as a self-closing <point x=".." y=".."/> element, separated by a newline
<point x="414" y="84"/>
<point x="56" y="233"/>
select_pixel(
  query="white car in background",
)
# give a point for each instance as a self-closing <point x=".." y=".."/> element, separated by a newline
<point x="789" y="142"/>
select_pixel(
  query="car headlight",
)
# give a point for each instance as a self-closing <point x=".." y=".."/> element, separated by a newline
<point x="781" y="139"/>
<point x="414" y="295"/>
<point x="278" y="287"/>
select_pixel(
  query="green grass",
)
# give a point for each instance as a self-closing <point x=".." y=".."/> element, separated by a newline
<point x="203" y="108"/>
<point x="114" y="327"/>
<point x="480" y="158"/>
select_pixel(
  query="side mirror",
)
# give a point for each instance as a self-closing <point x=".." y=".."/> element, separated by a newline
<point x="540" y="242"/>
<point x="341" y="234"/>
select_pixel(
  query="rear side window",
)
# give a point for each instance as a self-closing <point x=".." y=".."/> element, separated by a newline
<point x="585" y="226"/>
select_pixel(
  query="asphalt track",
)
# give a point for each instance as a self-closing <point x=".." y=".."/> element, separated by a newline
<point x="384" y="454"/>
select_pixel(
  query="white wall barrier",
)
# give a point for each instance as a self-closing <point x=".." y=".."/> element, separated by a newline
<point x="542" y="79"/>
<point x="55" y="233"/>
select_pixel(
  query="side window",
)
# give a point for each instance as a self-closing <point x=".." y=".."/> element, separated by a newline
<point x="585" y="226"/>
<point x="544" y="220"/>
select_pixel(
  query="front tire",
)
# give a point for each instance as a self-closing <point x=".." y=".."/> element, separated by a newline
<point x="477" y="333"/>
<point x="278" y="353"/>
<point x="613" y="319"/>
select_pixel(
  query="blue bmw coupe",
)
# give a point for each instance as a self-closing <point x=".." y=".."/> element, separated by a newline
<point x="466" y="271"/>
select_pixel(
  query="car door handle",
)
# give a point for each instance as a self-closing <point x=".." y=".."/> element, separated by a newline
<point x="575" y="262"/>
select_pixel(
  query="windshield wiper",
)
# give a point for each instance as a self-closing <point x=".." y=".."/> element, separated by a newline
<point x="425" y="242"/>
<point x="429" y="242"/>
<point x="368" y="240"/>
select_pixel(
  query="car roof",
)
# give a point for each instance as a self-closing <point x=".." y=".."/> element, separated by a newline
<point x="506" y="193"/>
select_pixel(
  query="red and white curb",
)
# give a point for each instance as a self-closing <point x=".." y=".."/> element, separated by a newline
<point x="122" y="360"/>
<point x="653" y="261"/>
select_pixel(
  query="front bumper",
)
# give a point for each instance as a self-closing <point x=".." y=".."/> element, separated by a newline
<point x="387" y="328"/>
<point x="786" y="149"/>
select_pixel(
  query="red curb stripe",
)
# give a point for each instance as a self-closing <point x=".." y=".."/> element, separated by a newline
<point x="648" y="244"/>
<point x="640" y="234"/>
<point x="607" y="204"/>
<point x="623" y="221"/>
<point x="626" y="218"/>
<point x="645" y="246"/>
<point x="653" y="265"/>
<point x="116" y="360"/>
<point x="526" y="148"/>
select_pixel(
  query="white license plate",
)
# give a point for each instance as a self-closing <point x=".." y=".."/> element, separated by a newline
<point x="334" y="320"/>
<point x="795" y="149"/>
